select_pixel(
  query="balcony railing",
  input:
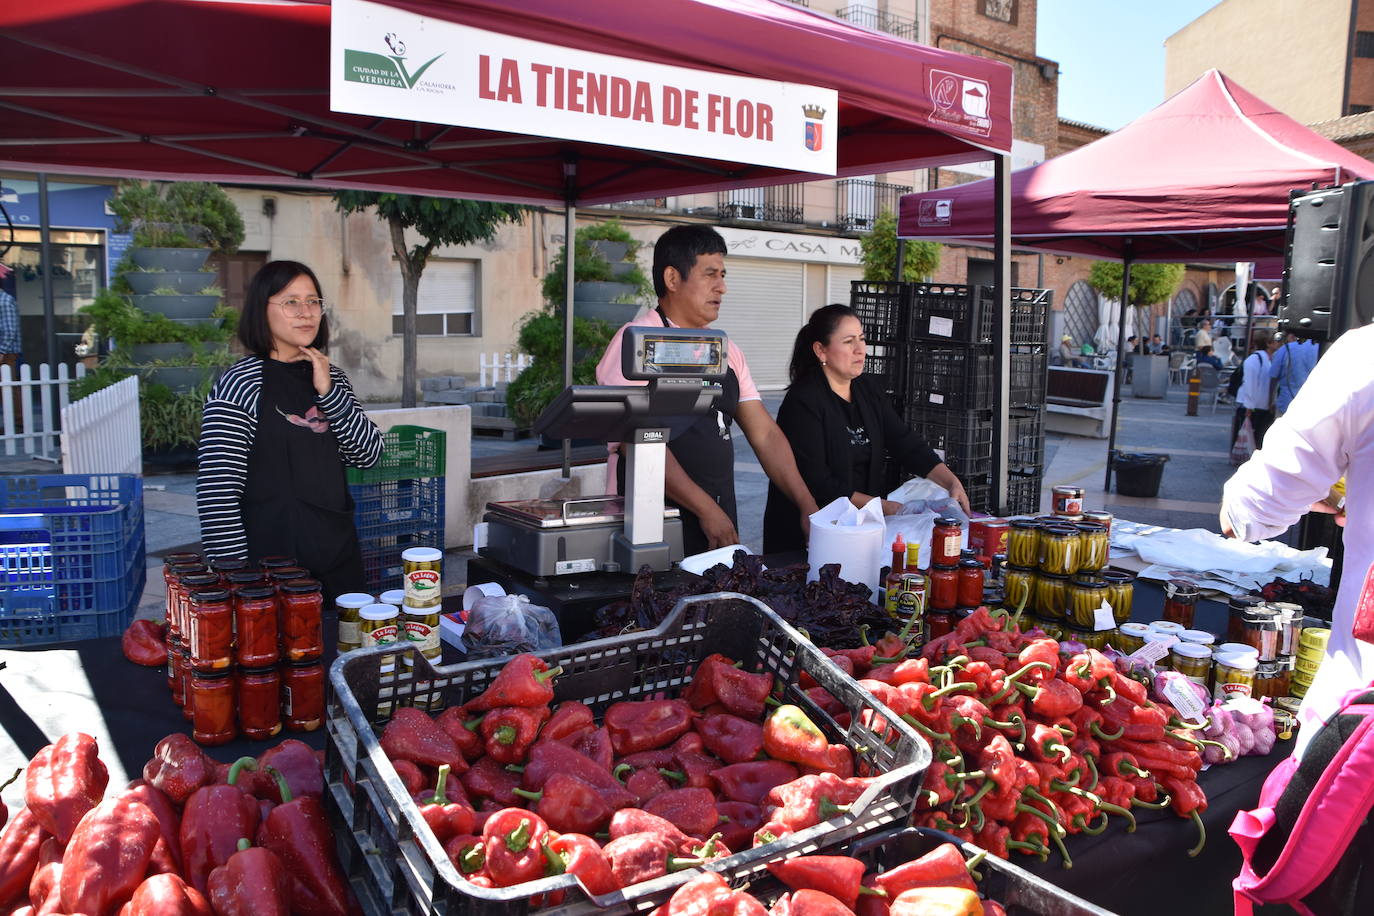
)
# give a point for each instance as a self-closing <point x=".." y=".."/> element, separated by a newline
<point x="880" y="20"/>
<point x="858" y="201"/>
<point x="778" y="204"/>
<point x="648" y="203"/>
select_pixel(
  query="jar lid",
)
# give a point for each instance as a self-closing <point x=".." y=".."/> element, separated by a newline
<point x="1201" y="637"/>
<point x="963" y="611"/>
<point x="207" y="595"/>
<point x="1261" y="618"/>
<point x="307" y="664"/>
<point x="1241" y="602"/>
<point x="1093" y="582"/>
<point x="1091" y="527"/>
<point x="301" y="586"/>
<point x="354" y="599"/>
<point x="271" y="669"/>
<point x="1288" y="704"/>
<point x="276" y="562"/>
<point x="1167" y="626"/>
<point x="1190" y="650"/>
<point x="1061" y="531"/>
<point x="210" y="675"/>
<point x="1157" y="636"/>
<point x="1177" y="588"/>
<point x="918" y="578"/>
<point x="1025" y="523"/>
<point x="1027" y="570"/>
<point x="1067" y="488"/>
<point x="991" y="522"/>
<point x="229" y="564"/>
<point x="968" y="553"/>
<point x="949" y="521"/>
<point x="1289" y="611"/>
<point x="396" y="596"/>
<point x="245" y="576"/>
<point x="1236" y="648"/>
<point x="970" y="563"/>
<point x="942" y="568"/>
<point x="184" y="556"/>
<point x="1270" y="669"/>
<point x="1239" y="662"/>
<point x="257" y="591"/>
<point x="379" y="612"/>
<point x="1131" y="628"/>
<point x="1098" y="515"/>
<point x="422" y="555"/>
<point x="192" y="580"/>
<point x="420" y="611"/>
<point x="287" y="573"/>
<point x="1062" y="578"/>
<point x="1316" y="637"/>
<point x="1119" y="576"/>
<point x="188" y="568"/>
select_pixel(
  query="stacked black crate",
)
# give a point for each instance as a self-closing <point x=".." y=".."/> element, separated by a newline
<point x="939" y="362"/>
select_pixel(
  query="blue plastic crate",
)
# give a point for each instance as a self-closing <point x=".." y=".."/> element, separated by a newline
<point x="382" y="554"/>
<point x="71" y="556"/>
<point x="396" y="507"/>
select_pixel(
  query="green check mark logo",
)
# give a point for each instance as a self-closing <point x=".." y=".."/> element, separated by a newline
<point x="412" y="79"/>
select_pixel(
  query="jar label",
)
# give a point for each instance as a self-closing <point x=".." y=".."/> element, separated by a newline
<point x="350" y="632"/>
<point x="422" y="587"/>
<point x="425" y="636"/>
<point x="1226" y="691"/>
<point x="381" y="636"/>
<point x="951" y="545"/>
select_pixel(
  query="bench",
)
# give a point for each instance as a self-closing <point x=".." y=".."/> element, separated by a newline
<point x="541" y="460"/>
<point x="1077" y="401"/>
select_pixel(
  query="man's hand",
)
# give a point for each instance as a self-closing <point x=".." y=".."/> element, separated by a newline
<point x="717" y="527"/>
<point x="1330" y="506"/>
<point x="891" y="507"/>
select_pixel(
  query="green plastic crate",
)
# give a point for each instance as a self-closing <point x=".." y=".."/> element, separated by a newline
<point x="407" y="452"/>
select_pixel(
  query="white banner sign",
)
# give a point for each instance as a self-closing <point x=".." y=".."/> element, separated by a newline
<point x="392" y="63"/>
<point x="787" y="246"/>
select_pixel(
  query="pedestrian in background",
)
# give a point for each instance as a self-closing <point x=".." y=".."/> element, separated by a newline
<point x="1253" y="400"/>
<point x="11" y="343"/>
<point x="1293" y="363"/>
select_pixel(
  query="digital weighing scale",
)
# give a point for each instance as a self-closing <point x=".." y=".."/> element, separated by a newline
<point x="556" y="537"/>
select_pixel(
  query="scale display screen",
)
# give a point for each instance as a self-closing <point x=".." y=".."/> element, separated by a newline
<point x="683" y="352"/>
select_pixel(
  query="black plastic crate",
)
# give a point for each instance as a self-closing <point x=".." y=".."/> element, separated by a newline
<point x="396" y="864"/>
<point x="883" y="308"/>
<point x="950" y="378"/>
<point x="978" y="488"/>
<point x="1023" y="491"/>
<point x="948" y="312"/>
<point x="1028" y="376"/>
<point x="1025" y="439"/>
<point x="883" y="364"/>
<point x="959" y="437"/>
<point x="1030" y="316"/>
<point x="1022" y="893"/>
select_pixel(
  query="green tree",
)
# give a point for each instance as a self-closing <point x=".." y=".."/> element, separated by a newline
<point x="880" y="253"/>
<point x="1150" y="283"/>
<point x="439" y="221"/>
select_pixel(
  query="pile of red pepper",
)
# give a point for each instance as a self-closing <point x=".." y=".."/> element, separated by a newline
<point x="1031" y="744"/>
<point x="191" y="838"/>
<point x="518" y="790"/>
<point x="940" y="883"/>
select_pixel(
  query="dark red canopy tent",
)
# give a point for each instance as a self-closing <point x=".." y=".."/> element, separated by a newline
<point x="1205" y="176"/>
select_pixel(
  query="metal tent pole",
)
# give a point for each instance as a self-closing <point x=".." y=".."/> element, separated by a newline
<point x="1001" y="268"/>
<point x="569" y="277"/>
<point x="46" y="263"/>
<point x="1120" y="363"/>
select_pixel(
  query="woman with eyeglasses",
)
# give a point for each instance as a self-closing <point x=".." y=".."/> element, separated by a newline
<point x="279" y="427"/>
<point x="843" y="429"/>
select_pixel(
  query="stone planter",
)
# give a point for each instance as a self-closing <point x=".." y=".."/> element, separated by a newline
<point x="181" y="379"/>
<point x="621" y="268"/>
<point x="170" y="352"/>
<point x="174" y="259"/>
<point x="611" y="251"/>
<point x="613" y="313"/>
<point x="185" y="282"/>
<point x="600" y="291"/>
<point x="182" y="307"/>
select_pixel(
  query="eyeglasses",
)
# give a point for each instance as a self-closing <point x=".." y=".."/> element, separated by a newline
<point x="299" y="308"/>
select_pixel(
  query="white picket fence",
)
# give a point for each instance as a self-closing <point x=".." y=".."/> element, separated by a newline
<point x="100" y="432"/>
<point x="43" y="399"/>
<point x="504" y="367"/>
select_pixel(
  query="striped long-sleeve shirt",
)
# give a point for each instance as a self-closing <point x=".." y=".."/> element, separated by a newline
<point x="226" y="438"/>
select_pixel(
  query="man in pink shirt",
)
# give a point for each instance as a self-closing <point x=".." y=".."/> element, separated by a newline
<point x="689" y="278"/>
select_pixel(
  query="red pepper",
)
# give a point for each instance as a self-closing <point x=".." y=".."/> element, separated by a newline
<point x="943" y="866"/>
<point x="178" y="767"/>
<point x="581" y="857"/>
<point x="166" y="895"/>
<point x="509" y="731"/>
<point x="145" y="643"/>
<point x="524" y="681"/>
<point x="808" y="800"/>
<point x="213" y="821"/>
<point x="629" y="821"/>
<point x="512" y="840"/>
<point x="167" y="855"/>
<point x="467" y="854"/>
<point x="65" y="780"/>
<point x="693" y="810"/>
<point x="816" y="903"/>
<point x="107" y="858"/>
<point x="298" y="832"/>
<point x="1040" y="650"/>
<point x="838" y="876"/>
<point x="45" y="890"/>
<point x="569" y="721"/>
<point x="788" y="734"/>
<point x="549" y="758"/>
<point x="643" y="725"/>
<point x="709" y="894"/>
<point x="296" y="761"/>
<point x="742" y="692"/>
<point x="751" y="782"/>
<point x="1054" y="699"/>
<point x="640" y="857"/>
<point x="841" y="762"/>
<point x="993" y="837"/>
<point x="462" y="730"/>
<point x="412" y="735"/>
<point x="907" y="671"/>
<point x="731" y="738"/>
<point x="19" y="850"/>
<point x="489" y="778"/>
<point x="744" y="820"/>
<point x="252" y="883"/>
<point x="569" y="805"/>
<point x="446" y="818"/>
<point x="937" y="901"/>
<point x="411" y="777"/>
<point x="596" y="744"/>
<point x="1047" y="744"/>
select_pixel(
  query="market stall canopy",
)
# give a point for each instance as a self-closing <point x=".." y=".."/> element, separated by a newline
<point x="240" y="92"/>
<point x="1204" y="176"/>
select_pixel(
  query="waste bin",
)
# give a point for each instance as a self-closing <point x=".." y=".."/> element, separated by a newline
<point x="1138" y="474"/>
<point x="1149" y="376"/>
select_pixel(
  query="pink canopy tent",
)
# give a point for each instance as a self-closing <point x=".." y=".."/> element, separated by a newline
<point x="1204" y="176"/>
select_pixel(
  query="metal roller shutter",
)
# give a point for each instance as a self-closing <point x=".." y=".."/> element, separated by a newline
<point x="763" y="309"/>
<point x="837" y="284"/>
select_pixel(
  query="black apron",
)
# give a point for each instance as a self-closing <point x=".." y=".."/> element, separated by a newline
<point x="702" y="445"/>
<point x="296" y="501"/>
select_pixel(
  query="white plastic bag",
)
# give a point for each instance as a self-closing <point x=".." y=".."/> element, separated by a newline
<point x="509" y="625"/>
<point x="919" y="495"/>
<point x="851" y="537"/>
<point x="1245" y="443"/>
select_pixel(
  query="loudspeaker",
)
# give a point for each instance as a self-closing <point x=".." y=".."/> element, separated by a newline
<point x="1328" y="270"/>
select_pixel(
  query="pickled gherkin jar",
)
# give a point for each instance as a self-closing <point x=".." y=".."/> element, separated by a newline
<point x="1023" y="543"/>
<point x="1093" y="639"/>
<point x="1059" y="549"/>
<point x="1018" y="585"/>
<point x="1092" y="546"/>
<point x="1120" y="593"/>
<point x="1051" y="595"/>
<point x="1086" y="594"/>
<point x="1054" y="629"/>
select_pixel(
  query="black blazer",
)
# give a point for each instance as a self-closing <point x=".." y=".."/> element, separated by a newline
<point x="817" y="429"/>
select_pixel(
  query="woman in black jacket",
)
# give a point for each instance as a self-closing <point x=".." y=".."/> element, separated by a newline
<point x="843" y="429"/>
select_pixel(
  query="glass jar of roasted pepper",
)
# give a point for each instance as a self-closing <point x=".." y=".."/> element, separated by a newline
<point x="302" y="608"/>
<point x="1180" y="601"/>
<point x="245" y="578"/>
<point x="1017" y="586"/>
<point x="1086" y="594"/>
<point x="283" y="574"/>
<point x="197" y="576"/>
<point x="276" y="562"/>
<point x="212" y="707"/>
<point x="1120" y="593"/>
<point x="212" y="630"/>
<point x="183" y="688"/>
<point x="938" y="623"/>
<point x="970" y="582"/>
<point x="1093" y="546"/>
<point x="260" y="700"/>
<point x="1023" y="543"/>
<point x="175" y="565"/>
<point x="942" y="589"/>
<point x="1059" y="550"/>
<point x="1051" y="596"/>
<point x="224" y="567"/>
<point x="946" y="541"/>
<point x="255" y="618"/>
<point x="302" y="696"/>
